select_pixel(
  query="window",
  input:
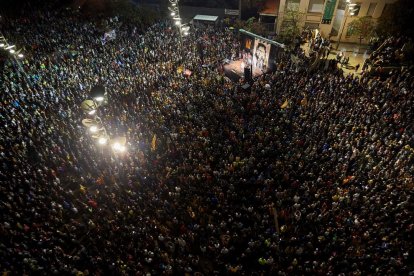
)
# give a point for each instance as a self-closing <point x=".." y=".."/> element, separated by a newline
<point x="316" y="6"/>
<point x="371" y="9"/>
<point x="292" y="4"/>
<point x="354" y="9"/>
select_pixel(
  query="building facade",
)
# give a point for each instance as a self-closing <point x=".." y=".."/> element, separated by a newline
<point x="330" y="17"/>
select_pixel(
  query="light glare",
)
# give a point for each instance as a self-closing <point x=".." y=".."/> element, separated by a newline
<point x="102" y="141"/>
<point x="118" y="147"/>
<point x="93" y="128"/>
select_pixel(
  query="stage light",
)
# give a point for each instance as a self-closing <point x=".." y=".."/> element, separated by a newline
<point x="185" y="33"/>
<point x="12" y="51"/>
<point x="2" y="45"/>
<point x="92" y="112"/>
<point x="99" y="99"/>
<point x="20" y="55"/>
<point x="173" y="13"/>
<point x="177" y="23"/>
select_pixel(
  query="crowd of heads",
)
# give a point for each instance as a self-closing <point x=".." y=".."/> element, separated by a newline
<point x="306" y="173"/>
<point x="394" y="51"/>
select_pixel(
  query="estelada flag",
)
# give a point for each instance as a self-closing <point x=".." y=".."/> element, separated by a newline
<point x="154" y="142"/>
<point x="285" y="104"/>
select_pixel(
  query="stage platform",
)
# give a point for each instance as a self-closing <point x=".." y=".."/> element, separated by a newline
<point x="235" y="70"/>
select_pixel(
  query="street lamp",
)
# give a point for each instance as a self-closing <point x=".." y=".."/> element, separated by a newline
<point x="118" y="144"/>
<point x="11" y="48"/>
<point x="102" y="140"/>
<point x="95" y="125"/>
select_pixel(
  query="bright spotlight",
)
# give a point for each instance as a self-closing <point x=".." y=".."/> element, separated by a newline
<point x="93" y="129"/>
<point x="185" y="33"/>
<point x="2" y="45"/>
<point x="177" y="23"/>
<point x="102" y="141"/>
<point x="173" y="13"/>
<point x="99" y="99"/>
<point x="20" y="55"/>
<point x="92" y="112"/>
<point x="12" y="51"/>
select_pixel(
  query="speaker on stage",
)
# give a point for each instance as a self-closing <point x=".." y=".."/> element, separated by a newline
<point x="247" y="74"/>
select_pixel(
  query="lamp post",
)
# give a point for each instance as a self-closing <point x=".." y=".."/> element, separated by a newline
<point x="95" y="125"/>
<point x="182" y="28"/>
<point x="351" y="13"/>
<point x="11" y="48"/>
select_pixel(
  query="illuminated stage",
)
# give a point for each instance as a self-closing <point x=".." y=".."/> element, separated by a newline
<point x="235" y="70"/>
<point x="257" y="53"/>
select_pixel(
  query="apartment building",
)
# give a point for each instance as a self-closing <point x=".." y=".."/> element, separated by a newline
<point x="330" y="17"/>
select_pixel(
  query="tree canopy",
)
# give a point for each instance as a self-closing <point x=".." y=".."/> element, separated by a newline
<point x="362" y="27"/>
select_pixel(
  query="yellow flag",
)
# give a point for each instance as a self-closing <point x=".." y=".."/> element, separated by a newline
<point x="82" y="189"/>
<point x="154" y="142"/>
<point x="285" y="104"/>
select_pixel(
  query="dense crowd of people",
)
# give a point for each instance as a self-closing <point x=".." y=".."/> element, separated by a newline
<point x="393" y="51"/>
<point x="308" y="173"/>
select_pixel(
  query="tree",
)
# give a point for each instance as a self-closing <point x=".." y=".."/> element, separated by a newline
<point x="292" y="21"/>
<point x="251" y="25"/>
<point x="362" y="27"/>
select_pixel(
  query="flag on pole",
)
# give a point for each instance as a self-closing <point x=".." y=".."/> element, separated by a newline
<point x="108" y="36"/>
<point x="285" y="104"/>
<point x="82" y="189"/>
